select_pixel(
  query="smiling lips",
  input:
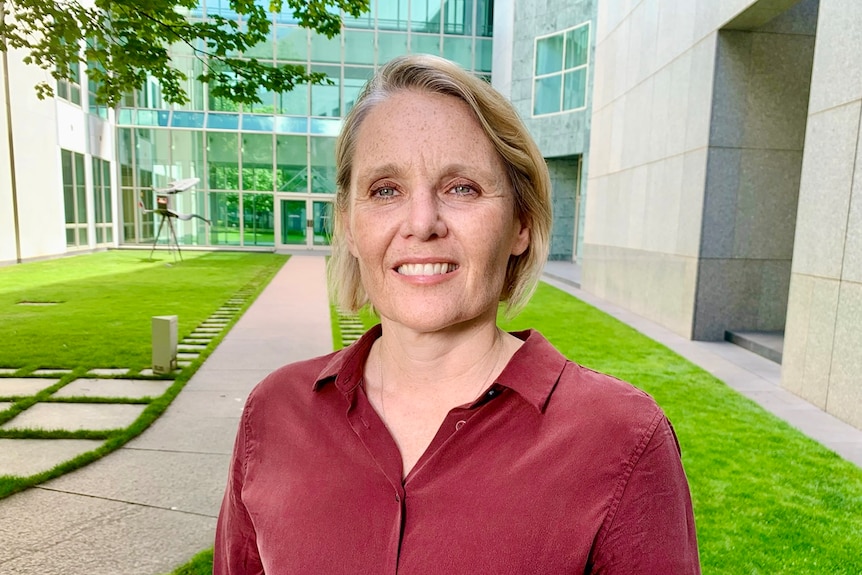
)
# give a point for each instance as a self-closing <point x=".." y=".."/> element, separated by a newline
<point x="435" y="269"/>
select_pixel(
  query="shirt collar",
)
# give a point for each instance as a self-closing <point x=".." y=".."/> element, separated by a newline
<point x="532" y="372"/>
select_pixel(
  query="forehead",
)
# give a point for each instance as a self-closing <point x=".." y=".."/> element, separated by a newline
<point x="414" y="124"/>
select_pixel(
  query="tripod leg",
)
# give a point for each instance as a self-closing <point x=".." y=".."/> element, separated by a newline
<point x="158" y="233"/>
<point x="174" y="234"/>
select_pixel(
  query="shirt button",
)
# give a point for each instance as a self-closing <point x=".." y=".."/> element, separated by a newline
<point x="459" y="425"/>
<point x="397" y="498"/>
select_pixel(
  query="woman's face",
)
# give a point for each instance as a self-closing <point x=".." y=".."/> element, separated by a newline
<point x="431" y="217"/>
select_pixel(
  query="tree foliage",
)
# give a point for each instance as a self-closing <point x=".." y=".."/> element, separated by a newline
<point x="125" y="41"/>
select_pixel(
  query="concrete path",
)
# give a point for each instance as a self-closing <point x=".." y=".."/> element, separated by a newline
<point x="751" y="375"/>
<point x="150" y="506"/>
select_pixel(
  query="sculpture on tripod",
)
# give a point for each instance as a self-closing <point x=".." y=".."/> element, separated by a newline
<point x="166" y="214"/>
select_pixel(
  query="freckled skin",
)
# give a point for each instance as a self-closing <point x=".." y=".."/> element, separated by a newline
<point x="428" y="186"/>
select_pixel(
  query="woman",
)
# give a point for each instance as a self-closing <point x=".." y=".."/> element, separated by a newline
<point x="438" y="443"/>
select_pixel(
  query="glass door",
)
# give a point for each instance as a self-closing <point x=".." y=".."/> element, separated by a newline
<point x="293" y="223"/>
<point x="322" y="223"/>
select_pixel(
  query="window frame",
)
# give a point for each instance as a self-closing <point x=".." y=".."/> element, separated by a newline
<point x="562" y="72"/>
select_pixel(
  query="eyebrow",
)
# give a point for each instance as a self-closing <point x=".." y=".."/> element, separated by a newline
<point x="451" y="170"/>
<point x="376" y="172"/>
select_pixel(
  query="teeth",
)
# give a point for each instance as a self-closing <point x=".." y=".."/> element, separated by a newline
<point x="425" y="269"/>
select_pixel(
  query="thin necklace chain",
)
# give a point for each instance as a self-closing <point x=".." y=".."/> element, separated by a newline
<point x="497" y="345"/>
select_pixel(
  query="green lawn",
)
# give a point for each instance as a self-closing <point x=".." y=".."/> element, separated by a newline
<point x="105" y="302"/>
<point x="101" y="317"/>
<point x="767" y="499"/>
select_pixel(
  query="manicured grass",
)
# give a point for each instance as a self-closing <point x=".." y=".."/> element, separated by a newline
<point x="89" y="278"/>
<point x="200" y="564"/>
<point x="105" y="303"/>
<point x="767" y="499"/>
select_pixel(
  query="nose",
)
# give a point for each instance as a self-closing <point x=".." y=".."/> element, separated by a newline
<point x="424" y="219"/>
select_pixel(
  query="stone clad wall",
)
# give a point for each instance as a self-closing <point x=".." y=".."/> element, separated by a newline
<point x="823" y="343"/>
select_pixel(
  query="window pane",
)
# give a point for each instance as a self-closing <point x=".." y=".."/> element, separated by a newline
<point x="323" y="165"/>
<point x="224" y="214"/>
<point x="485" y="18"/>
<point x="459" y="50"/>
<point x="261" y="50"/>
<point x="358" y="47"/>
<point x="70" y="236"/>
<point x="354" y="80"/>
<point x="258" y="220"/>
<point x="390" y="45"/>
<point x="223" y="121"/>
<point x="258" y="123"/>
<point x="365" y="20"/>
<point x="324" y="49"/>
<point x="97" y="192"/>
<point x="422" y="44"/>
<point x="577" y="45"/>
<point x="326" y="99"/>
<point x="574" y="92"/>
<point x="322" y="222"/>
<point x="188" y="120"/>
<point x="425" y="16"/>
<point x="291" y="160"/>
<point x="257" y="162"/>
<point x="392" y="14"/>
<point x="188" y="154"/>
<point x="458" y="17"/>
<point x="484" y="55"/>
<point x="546" y="99"/>
<point x="549" y="55"/>
<point x="80" y="189"/>
<point x="293" y="103"/>
<point x="82" y="236"/>
<point x="291" y="43"/>
<point x="222" y="160"/>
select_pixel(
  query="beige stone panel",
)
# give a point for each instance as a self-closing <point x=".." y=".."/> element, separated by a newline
<point x="700" y="93"/>
<point x="837" y="75"/>
<point x="657" y="120"/>
<point x="620" y="36"/>
<point x="845" y="382"/>
<point x="680" y="84"/>
<point x="593" y="228"/>
<point x="618" y="134"/>
<point x="821" y="330"/>
<point x="796" y="332"/>
<point x="677" y="299"/>
<point x="824" y="191"/>
<point x="600" y="143"/>
<point x="851" y="269"/>
<point x="637" y="209"/>
<point x="691" y="203"/>
<point x="676" y="27"/>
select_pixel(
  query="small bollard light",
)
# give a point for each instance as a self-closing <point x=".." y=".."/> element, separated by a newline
<point x="164" y="343"/>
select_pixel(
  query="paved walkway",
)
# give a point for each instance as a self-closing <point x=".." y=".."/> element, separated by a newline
<point x="151" y="505"/>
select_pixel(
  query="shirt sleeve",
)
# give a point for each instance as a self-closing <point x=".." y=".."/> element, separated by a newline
<point x="235" y="551"/>
<point x="650" y="528"/>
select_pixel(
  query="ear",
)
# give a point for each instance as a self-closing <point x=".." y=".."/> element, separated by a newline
<point x="521" y="240"/>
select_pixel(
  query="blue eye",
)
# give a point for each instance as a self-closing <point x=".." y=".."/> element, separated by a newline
<point x="463" y="190"/>
<point x="385" y="192"/>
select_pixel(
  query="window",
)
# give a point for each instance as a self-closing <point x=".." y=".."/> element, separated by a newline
<point x="560" y="71"/>
<point x="74" y="198"/>
<point x="71" y="89"/>
<point x="102" y="201"/>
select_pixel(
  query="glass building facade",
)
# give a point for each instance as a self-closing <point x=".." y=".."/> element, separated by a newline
<point x="267" y="171"/>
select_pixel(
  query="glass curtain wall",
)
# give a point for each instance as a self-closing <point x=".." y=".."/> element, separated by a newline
<point x="267" y="171"/>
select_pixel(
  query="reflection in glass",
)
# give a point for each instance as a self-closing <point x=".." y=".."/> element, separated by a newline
<point x="459" y="50"/>
<point x="322" y="222"/>
<point x="354" y="79"/>
<point x="458" y="17"/>
<point x="549" y="54"/>
<point x="390" y="45"/>
<point x="291" y="44"/>
<point x="224" y="215"/>
<point x="577" y="45"/>
<point x="358" y="47"/>
<point x="257" y="162"/>
<point x="546" y="99"/>
<point x="293" y="230"/>
<point x="325" y="49"/>
<point x="258" y="220"/>
<point x="223" y="160"/>
<point x="326" y="98"/>
<point x="574" y="91"/>
<point x="293" y="103"/>
<point x="422" y="44"/>
<point x="291" y="163"/>
<point x="322" y="165"/>
<point x="425" y="16"/>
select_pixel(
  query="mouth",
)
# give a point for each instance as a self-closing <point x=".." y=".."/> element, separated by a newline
<point x="434" y="269"/>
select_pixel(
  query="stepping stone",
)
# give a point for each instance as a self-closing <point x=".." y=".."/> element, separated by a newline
<point x="23" y="457"/>
<point x="215" y="323"/>
<point x="197" y="341"/>
<point x="149" y="371"/>
<point x="136" y="388"/>
<point x="187" y="356"/>
<point x="190" y="347"/>
<point x="8" y="370"/>
<point x="50" y="371"/>
<point x="108" y="371"/>
<point x="20" y="386"/>
<point x="75" y="416"/>
<point x="4" y="405"/>
<point x="184" y="363"/>
<point x="208" y="329"/>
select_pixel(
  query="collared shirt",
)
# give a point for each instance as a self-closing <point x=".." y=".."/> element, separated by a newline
<point x="554" y="469"/>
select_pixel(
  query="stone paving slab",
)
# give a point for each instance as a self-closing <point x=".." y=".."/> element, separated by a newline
<point x="49" y="371"/>
<point x="198" y="341"/>
<point x="4" y="405"/>
<point x="24" y="385"/>
<point x="109" y="371"/>
<point x="23" y="457"/>
<point x="8" y="370"/>
<point x="75" y="416"/>
<point x="190" y="347"/>
<point x="187" y="355"/>
<point x="149" y="371"/>
<point x="136" y="388"/>
<point x="94" y="536"/>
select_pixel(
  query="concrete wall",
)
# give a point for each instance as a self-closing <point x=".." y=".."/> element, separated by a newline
<point x="563" y="138"/>
<point x="823" y="343"/>
<point x="650" y="136"/>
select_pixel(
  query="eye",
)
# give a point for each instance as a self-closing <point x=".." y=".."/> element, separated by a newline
<point x="384" y="192"/>
<point x="462" y="190"/>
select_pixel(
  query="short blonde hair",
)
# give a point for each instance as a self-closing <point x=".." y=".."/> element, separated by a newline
<point x="527" y="171"/>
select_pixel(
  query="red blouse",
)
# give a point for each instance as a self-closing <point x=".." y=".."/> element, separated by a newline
<point x="555" y="469"/>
